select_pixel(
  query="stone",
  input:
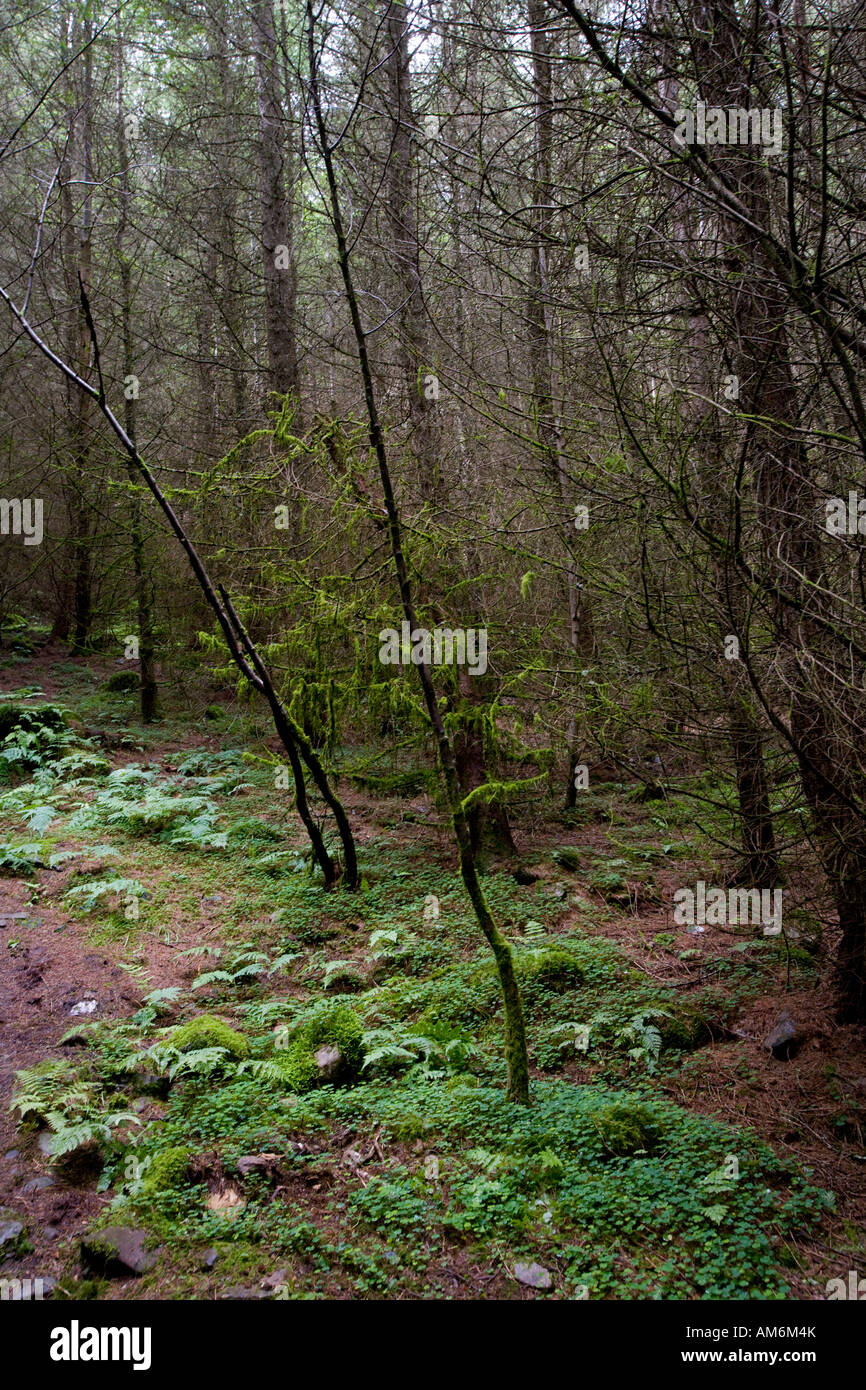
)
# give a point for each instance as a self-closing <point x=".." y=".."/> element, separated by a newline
<point x="239" y="1293"/>
<point x="258" y="1163"/>
<point x="118" y="1251"/>
<point x="329" y="1061"/>
<point x="229" y="1202"/>
<point x="38" y="1184"/>
<point x="84" y="1006"/>
<point x="209" y="1258"/>
<point x="45" y="1142"/>
<point x="273" y="1281"/>
<point x="11" y="1230"/>
<point x="534" y="1276"/>
<point x="784" y="1038"/>
<point x="11" y="1153"/>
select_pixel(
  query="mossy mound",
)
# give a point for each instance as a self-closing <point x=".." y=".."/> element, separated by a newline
<point x="567" y="857"/>
<point x="167" y="1170"/>
<point x="552" y="967"/>
<point x="121" y="683"/>
<point x="334" y="1029"/>
<point x="628" y="1129"/>
<point x="207" y="1031"/>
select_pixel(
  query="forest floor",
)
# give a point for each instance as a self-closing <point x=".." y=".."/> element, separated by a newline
<point x="155" y="875"/>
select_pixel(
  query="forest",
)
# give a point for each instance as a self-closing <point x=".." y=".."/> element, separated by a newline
<point x="433" y="650"/>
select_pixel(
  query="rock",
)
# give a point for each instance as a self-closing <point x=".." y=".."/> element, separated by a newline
<point x="38" y="1184"/>
<point x="329" y="1061"/>
<point x="209" y="1258"/>
<point x="273" y="1281"/>
<point x="85" y="1006"/>
<point x="45" y="1142"/>
<point x="534" y="1276"/>
<point x="11" y="1153"/>
<point x="11" y="1230"/>
<point x="785" y="1038"/>
<point x="50" y="1232"/>
<point x="241" y="1294"/>
<point x="228" y="1202"/>
<point x="117" y="1251"/>
<point x="258" y="1163"/>
<point x="525" y="877"/>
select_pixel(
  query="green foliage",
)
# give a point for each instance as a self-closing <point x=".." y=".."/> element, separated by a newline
<point x="74" y="1112"/>
<point x="90" y="895"/>
<point x="22" y="861"/>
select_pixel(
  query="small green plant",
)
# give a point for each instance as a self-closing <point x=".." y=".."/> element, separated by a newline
<point x="628" y="1128"/>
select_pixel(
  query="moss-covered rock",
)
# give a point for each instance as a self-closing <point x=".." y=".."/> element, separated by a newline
<point x="327" y="1049"/>
<point x="207" y="1031"/>
<point x="167" y="1170"/>
<point x="628" y="1128"/>
<point x="552" y="966"/>
<point x="121" y="683"/>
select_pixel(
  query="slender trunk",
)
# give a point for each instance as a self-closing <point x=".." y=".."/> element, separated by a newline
<point x="278" y="255"/>
<point x="542" y="352"/>
<point x="148" y="690"/>
<point x="515" y="1031"/>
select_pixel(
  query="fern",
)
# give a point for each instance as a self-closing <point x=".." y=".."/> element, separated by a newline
<point x="92" y="893"/>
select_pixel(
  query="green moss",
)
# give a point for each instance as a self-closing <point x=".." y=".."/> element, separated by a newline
<point x="628" y="1128"/>
<point x="207" y="1031"/>
<point x="552" y="967"/>
<point x="121" y="682"/>
<point x="168" y="1170"/>
<point x="330" y="1025"/>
